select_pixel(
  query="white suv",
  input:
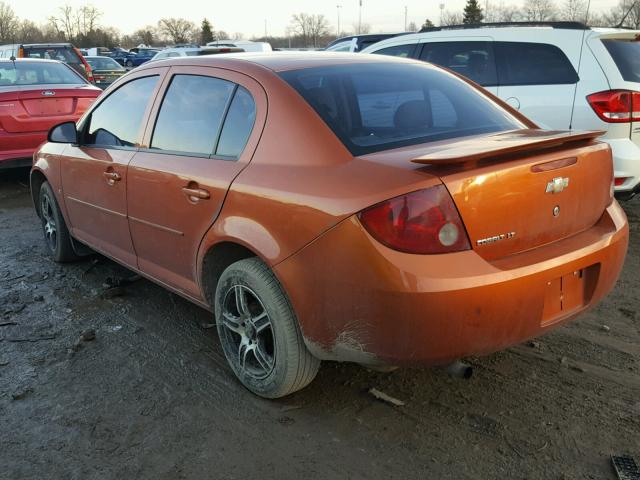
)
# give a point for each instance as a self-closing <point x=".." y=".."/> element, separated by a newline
<point x="561" y="75"/>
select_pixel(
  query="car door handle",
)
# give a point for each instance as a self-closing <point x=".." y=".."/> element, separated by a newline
<point x="196" y="193"/>
<point x="112" y="177"/>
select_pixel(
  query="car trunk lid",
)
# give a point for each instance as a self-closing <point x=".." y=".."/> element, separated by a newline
<point x="37" y="109"/>
<point x="518" y="190"/>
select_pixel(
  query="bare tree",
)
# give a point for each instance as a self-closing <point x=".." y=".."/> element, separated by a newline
<point x="539" y="10"/>
<point x="178" y="30"/>
<point x="412" y="27"/>
<point x="87" y="19"/>
<point x="574" y="10"/>
<point x="310" y="27"/>
<point x="146" y="35"/>
<point x="8" y="23"/>
<point x="451" y="18"/>
<point x="29" y="32"/>
<point x="625" y="14"/>
<point x="65" y="22"/>
<point x="503" y="13"/>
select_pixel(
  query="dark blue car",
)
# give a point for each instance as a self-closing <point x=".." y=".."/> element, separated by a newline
<point x="136" y="59"/>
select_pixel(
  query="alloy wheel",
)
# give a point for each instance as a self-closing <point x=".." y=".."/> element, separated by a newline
<point x="49" y="223"/>
<point x="248" y="331"/>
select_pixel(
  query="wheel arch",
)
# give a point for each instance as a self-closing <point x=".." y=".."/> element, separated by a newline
<point x="215" y="260"/>
<point x="36" y="179"/>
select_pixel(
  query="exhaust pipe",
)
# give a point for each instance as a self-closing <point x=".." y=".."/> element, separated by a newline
<point x="459" y="369"/>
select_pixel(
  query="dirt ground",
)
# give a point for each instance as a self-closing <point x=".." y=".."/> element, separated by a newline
<point x="151" y="396"/>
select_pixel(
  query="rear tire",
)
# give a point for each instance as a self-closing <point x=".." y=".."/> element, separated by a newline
<point x="259" y="331"/>
<point x="128" y="64"/>
<point x="56" y="235"/>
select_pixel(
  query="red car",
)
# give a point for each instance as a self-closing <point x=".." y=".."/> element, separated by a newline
<point x="34" y="96"/>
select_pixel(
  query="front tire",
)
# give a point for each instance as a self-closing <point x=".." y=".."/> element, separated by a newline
<point x="128" y="64"/>
<point x="259" y="331"/>
<point x="56" y="234"/>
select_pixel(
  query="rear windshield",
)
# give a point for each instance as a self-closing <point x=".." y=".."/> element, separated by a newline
<point x="375" y="107"/>
<point x="626" y="55"/>
<point x="103" y="63"/>
<point x="36" y="73"/>
<point x="64" y="54"/>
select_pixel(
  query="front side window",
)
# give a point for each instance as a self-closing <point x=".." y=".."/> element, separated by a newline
<point x="191" y="114"/>
<point x="379" y="106"/>
<point x="523" y="63"/>
<point x="403" y="51"/>
<point x="116" y="121"/>
<point x="473" y="60"/>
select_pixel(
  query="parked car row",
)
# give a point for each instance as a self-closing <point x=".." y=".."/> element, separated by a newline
<point x="332" y="206"/>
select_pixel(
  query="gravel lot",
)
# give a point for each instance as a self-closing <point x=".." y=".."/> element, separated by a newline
<point x="151" y="396"/>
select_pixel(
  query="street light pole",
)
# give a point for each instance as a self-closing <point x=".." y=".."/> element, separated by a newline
<point x="338" y="7"/>
<point x="405" y="18"/>
<point x="360" y="19"/>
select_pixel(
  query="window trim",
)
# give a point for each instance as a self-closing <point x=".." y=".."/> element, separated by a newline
<point x="85" y="122"/>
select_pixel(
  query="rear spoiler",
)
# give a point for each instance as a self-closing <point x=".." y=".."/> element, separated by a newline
<point x="502" y="145"/>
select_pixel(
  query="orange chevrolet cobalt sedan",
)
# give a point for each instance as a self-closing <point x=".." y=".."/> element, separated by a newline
<point x="335" y="207"/>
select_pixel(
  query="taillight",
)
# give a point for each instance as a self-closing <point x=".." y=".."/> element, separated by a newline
<point x="619" y="181"/>
<point x="616" y="106"/>
<point x="424" y="222"/>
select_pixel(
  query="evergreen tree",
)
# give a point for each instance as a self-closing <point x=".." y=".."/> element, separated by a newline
<point x="206" y="33"/>
<point x="428" y="24"/>
<point x="472" y="13"/>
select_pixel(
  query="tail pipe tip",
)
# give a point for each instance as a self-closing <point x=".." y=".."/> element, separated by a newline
<point x="459" y="369"/>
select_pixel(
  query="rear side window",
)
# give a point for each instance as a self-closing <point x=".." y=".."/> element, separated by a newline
<point x="474" y="60"/>
<point x="403" y="51"/>
<point x="523" y="63"/>
<point x="191" y="114"/>
<point x="53" y="53"/>
<point x="626" y="55"/>
<point x="375" y="107"/>
<point x="116" y="121"/>
<point x="237" y="125"/>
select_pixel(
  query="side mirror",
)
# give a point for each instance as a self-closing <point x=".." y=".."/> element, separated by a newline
<point x="63" y="133"/>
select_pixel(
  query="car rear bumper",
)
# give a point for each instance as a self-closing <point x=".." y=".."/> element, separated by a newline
<point x="20" y="146"/>
<point x="357" y="300"/>
<point x="626" y="162"/>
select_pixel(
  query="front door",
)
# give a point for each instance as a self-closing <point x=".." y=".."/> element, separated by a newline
<point x="94" y="173"/>
<point x="206" y="128"/>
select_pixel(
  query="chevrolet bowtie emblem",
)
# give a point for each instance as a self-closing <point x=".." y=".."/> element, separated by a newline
<point x="557" y="185"/>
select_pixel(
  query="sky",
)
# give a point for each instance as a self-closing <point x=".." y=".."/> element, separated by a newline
<point x="252" y="17"/>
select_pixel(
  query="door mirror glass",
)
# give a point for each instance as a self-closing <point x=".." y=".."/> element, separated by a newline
<point x="64" y="133"/>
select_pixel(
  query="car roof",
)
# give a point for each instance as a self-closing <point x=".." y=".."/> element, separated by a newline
<point x="29" y="60"/>
<point x="280" y="61"/>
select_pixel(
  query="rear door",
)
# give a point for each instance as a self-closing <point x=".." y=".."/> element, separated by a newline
<point x="538" y="80"/>
<point x="94" y="173"/>
<point x="472" y="57"/>
<point x="203" y="131"/>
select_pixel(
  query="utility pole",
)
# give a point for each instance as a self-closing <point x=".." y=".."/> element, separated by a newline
<point x="360" y="19"/>
<point x="405" y="18"/>
<point x="441" y="12"/>
<point x="265" y="28"/>
<point x="338" y="7"/>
